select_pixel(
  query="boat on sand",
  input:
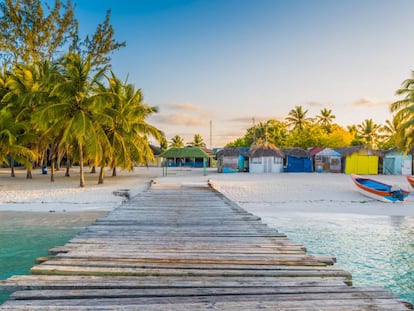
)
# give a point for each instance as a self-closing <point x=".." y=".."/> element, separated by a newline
<point x="411" y="180"/>
<point x="379" y="191"/>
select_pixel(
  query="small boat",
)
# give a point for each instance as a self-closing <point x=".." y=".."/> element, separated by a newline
<point x="379" y="191"/>
<point x="411" y="180"/>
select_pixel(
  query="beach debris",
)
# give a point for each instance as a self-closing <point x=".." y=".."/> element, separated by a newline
<point x="122" y="193"/>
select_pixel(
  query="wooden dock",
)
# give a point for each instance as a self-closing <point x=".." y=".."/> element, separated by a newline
<point x="187" y="247"/>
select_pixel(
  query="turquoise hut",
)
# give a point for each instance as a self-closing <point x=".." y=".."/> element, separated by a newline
<point x="396" y="163"/>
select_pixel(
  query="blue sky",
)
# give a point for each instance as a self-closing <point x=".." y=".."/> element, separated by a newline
<point x="230" y="61"/>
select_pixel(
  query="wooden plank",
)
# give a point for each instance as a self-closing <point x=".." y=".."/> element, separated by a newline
<point x="186" y="247"/>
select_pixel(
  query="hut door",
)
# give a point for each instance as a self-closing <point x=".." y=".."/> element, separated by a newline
<point x="267" y="165"/>
<point x="406" y="167"/>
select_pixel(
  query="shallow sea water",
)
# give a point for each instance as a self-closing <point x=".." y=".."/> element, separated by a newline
<point x="376" y="250"/>
<point x="27" y="236"/>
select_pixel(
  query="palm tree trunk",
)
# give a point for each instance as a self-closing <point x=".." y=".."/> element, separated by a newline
<point x="114" y="171"/>
<point x="93" y="170"/>
<point x="29" y="173"/>
<point x="67" y="174"/>
<point x="52" y="170"/>
<point x="101" y="175"/>
<point x="12" y="174"/>
<point x="81" y="169"/>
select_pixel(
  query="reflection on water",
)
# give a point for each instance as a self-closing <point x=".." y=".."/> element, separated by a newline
<point x="377" y="250"/>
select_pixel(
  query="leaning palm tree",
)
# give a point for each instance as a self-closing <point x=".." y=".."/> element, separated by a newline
<point x="11" y="148"/>
<point x="74" y="115"/>
<point x="404" y="115"/>
<point x="297" y="118"/>
<point x="325" y="119"/>
<point x="127" y="130"/>
<point x="26" y="94"/>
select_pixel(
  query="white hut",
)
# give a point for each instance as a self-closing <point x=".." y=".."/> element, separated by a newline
<point x="265" y="158"/>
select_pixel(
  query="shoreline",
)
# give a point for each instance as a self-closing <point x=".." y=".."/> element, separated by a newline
<point x="284" y="193"/>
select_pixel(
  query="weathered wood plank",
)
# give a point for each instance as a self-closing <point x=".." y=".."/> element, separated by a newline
<point x="187" y="247"/>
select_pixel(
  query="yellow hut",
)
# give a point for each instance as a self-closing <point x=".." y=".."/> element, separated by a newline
<point x="360" y="160"/>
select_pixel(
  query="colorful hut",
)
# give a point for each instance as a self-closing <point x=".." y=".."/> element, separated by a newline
<point x="265" y="158"/>
<point x="326" y="160"/>
<point x="188" y="156"/>
<point x="232" y="160"/>
<point x="359" y="160"/>
<point x="297" y="160"/>
<point x="396" y="163"/>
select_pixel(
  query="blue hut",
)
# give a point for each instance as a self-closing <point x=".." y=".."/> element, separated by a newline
<point x="297" y="160"/>
<point x="396" y="163"/>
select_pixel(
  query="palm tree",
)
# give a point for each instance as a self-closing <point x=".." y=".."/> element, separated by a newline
<point x="176" y="142"/>
<point x="10" y="147"/>
<point x="325" y="119"/>
<point x="404" y="115"/>
<point x="74" y="117"/>
<point x="198" y="141"/>
<point x="26" y="94"/>
<point x="368" y="131"/>
<point x="127" y="130"/>
<point x="297" y="118"/>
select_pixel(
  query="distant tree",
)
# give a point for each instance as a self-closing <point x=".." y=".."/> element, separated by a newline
<point x="325" y="119"/>
<point x="368" y="132"/>
<point x="297" y="119"/>
<point x="198" y="141"/>
<point x="338" y="137"/>
<point x="176" y="142"/>
<point x="310" y="135"/>
<point x="238" y="142"/>
<point x="389" y="136"/>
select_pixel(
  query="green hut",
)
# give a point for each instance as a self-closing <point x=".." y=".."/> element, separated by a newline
<point x="188" y="156"/>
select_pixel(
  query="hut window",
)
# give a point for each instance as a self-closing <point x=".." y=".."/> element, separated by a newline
<point x="277" y="160"/>
<point x="257" y="160"/>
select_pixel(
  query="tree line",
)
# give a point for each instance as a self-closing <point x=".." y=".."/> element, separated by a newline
<point x="299" y="130"/>
<point x="59" y="98"/>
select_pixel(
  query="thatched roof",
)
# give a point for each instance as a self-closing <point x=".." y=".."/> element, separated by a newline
<point x="296" y="152"/>
<point x="346" y="151"/>
<point x="156" y="150"/>
<point x="265" y="150"/>
<point x="187" y="152"/>
<point x="231" y="152"/>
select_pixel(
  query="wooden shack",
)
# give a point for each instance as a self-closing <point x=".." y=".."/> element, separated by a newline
<point x="265" y="158"/>
<point x="297" y="160"/>
<point x="359" y="160"/>
<point x="232" y="160"/>
<point x="326" y="160"/>
<point x="396" y="163"/>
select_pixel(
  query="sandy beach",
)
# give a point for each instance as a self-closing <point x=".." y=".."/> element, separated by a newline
<point x="299" y="192"/>
<point x="322" y="211"/>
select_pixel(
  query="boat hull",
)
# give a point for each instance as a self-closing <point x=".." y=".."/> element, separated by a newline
<point x="410" y="180"/>
<point x="378" y="190"/>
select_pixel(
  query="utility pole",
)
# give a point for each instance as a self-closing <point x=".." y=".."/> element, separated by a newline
<point x="211" y="134"/>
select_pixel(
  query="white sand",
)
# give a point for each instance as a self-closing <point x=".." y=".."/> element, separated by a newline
<point x="258" y="193"/>
<point x="64" y="194"/>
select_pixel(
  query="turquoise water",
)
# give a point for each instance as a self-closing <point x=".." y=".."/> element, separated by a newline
<point x="27" y="236"/>
<point x="376" y="250"/>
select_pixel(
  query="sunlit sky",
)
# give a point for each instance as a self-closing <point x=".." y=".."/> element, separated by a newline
<point x="229" y="61"/>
